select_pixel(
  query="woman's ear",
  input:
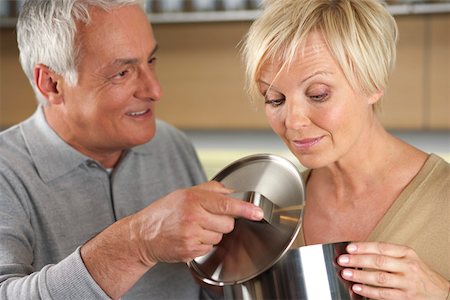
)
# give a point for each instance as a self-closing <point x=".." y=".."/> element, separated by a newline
<point x="48" y="83"/>
<point x="375" y="97"/>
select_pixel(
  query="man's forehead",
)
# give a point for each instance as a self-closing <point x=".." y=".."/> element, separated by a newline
<point x="117" y="26"/>
<point x="113" y="17"/>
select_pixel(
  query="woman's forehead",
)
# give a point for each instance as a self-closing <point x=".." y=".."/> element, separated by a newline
<point x="313" y="49"/>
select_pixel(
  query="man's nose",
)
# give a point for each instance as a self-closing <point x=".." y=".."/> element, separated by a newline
<point x="148" y="86"/>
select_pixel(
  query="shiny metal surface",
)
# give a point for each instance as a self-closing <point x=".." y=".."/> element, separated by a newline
<point x="253" y="247"/>
<point x="270" y="209"/>
<point x="305" y="273"/>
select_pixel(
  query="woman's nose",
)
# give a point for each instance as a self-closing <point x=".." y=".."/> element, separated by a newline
<point x="297" y="115"/>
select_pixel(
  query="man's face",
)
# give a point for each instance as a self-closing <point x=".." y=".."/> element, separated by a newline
<point x="112" y="106"/>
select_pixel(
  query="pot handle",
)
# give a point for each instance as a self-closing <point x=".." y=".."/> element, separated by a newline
<point x="260" y="200"/>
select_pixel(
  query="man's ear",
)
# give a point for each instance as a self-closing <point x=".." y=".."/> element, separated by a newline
<point x="49" y="84"/>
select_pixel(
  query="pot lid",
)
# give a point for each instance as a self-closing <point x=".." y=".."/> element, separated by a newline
<point x="273" y="183"/>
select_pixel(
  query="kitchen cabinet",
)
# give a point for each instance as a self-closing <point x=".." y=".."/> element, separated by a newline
<point x="203" y="77"/>
<point x="403" y="103"/>
<point x="206" y="76"/>
<point x="187" y="11"/>
<point x="419" y="93"/>
<point x="16" y="96"/>
<point x="438" y="97"/>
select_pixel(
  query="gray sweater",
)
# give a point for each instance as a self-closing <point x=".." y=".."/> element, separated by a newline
<point x="53" y="199"/>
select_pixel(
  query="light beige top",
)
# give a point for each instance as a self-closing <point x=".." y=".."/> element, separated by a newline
<point x="420" y="217"/>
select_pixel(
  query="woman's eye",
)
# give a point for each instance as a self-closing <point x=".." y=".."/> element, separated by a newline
<point x="274" y="102"/>
<point x="152" y="61"/>
<point x="319" y="97"/>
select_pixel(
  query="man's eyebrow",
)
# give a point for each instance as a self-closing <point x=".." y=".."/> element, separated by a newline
<point x="125" y="61"/>
<point x="154" y="50"/>
<point x="132" y="61"/>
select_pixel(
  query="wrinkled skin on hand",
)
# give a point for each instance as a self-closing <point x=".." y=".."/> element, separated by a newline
<point x="187" y="223"/>
<point x="391" y="272"/>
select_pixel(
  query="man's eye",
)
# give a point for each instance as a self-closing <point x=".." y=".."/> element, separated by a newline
<point x="152" y="61"/>
<point x="121" y="74"/>
<point x="274" y="102"/>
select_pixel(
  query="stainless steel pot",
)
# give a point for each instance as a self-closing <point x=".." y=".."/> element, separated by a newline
<point x="305" y="273"/>
<point x="255" y="261"/>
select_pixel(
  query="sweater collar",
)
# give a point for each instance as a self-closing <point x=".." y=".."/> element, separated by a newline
<point x="52" y="156"/>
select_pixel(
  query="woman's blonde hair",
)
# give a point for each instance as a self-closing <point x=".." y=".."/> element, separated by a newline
<point x="361" y="35"/>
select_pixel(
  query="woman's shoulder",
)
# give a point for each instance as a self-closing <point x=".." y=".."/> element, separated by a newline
<point x="437" y="167"/>
<point x="433" y="178"/>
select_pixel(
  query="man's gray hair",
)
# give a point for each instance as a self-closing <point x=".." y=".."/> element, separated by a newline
<point x="46" y="32"/>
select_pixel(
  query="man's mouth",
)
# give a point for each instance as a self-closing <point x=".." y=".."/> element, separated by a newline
<point x="138" y="113"/>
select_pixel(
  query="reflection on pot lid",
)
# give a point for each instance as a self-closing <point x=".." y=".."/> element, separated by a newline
<point x="273" y="183"/>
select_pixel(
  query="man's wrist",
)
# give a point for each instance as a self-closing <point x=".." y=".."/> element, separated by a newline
<point x="111" y="260"/>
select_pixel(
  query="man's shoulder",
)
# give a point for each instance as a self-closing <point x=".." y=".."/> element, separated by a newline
<point x="15" y="160"/>
<point x="14" y="138"/>
<point x="11" y="143"/>
<point x="166" y="136"/>
<point x="9" y="133"/>
<point x="165" y="130"/>
<point x="172" y="149"/>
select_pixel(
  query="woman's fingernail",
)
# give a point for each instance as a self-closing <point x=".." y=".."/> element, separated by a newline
<point x="356" y="288"/>
<point x="344" y="259"/>
<point x="347" y="274"/>
<point x="351" y="248"/>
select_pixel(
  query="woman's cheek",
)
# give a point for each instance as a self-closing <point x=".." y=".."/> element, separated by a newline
<point x="272" y="118"/>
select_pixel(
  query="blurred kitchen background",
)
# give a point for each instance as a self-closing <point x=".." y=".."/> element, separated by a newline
<point x="202" y="76"/>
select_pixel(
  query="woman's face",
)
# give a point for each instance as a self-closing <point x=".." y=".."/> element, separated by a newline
<point x="312" y="107"/>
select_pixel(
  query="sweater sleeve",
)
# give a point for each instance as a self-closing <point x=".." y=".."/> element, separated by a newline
<point x="68" y="279"/>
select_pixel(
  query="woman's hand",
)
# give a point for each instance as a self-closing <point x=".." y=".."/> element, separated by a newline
<point x="391" y="272"/>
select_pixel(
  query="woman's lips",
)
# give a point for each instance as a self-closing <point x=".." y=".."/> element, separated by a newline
<point x="306" y="144"/>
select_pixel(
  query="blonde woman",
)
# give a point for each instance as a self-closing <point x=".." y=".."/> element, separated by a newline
<point x="322" y="67"/>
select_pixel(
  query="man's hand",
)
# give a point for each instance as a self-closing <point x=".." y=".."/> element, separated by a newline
<point x="176" y="228"/>
<point x="187" y="223"/>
